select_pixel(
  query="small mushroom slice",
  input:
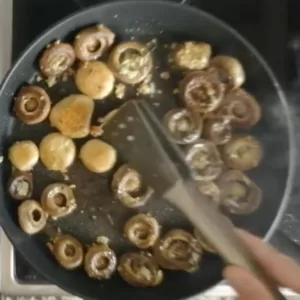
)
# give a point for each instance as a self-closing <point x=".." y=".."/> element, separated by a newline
<point x="72" y="116"/>
<point x="239" y="194"/>
<point x="95" y="80"/>
<point x="178" y="250"/>
<point x="32" y="218"/>
<point x="91" y="43"/>
<point x="140" y="269"/>
<point x="58" y="200"/>
<point x="56" y="59"/>
<point x="57" y="152"/>
<point x="32" y="105"/>
<point x="201" y="92"/>
<point x="142" y="230"/>
<point x="100" y="262"/>
<point x="184" y="127"/>
<point x="210" y="190"/>
<point x="204" y="160"/>
<point x="192" y="55"/>
<point x="242" y="109"/>
<point x="67" y="251"/>
<point x="20" y="185"/>
<point x="230" y="70"/>
<point x="243" y="153"/>
<point x="129" y="188"/>
<point x="131" y="62"/>
<point x="23" y="155"/>
<point x="205" y="244"/>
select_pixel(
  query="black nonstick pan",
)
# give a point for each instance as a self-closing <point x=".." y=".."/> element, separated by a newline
<point x="97" y="213"/>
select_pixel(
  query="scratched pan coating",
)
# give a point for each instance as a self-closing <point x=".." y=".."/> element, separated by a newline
<point x="168" y="23"/>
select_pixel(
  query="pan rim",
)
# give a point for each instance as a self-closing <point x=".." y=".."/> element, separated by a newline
<point x="190" y="9"/>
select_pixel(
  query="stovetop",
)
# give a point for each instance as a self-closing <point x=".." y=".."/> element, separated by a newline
<point x="270" y="25"/>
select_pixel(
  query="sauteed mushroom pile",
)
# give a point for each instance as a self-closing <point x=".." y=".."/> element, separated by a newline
<point x="213" y="105"/>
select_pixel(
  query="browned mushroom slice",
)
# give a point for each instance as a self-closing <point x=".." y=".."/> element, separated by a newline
<point x="183" y="126"/>
<point x="242" y="153"/>
<point x="140" y="270"/>
<point x="58" y="200"/>
<point x="210" y="190"/>
<point x="32" y="105"/>
<point x="100" y="262"/>
<point x="32" y="218"/>
<point x="56" y="59"/>
<point x="142" y="230"/>
<point x="131" y="62"/>
<point x="129" y="188"/>
<point x="201" y="92"/>
<point x="241" y="108"/>
<point x="192" y="55"/>
<point x="205" y="244"/>
<point x="67" y="251"/>
<point x="91" y="43"/>
<point x="178" y="250"/>
<point x="20" y="185"/>
<point x="239" y="194"/>
<point x="231" y="71"/>
<point x="204" y="160"/>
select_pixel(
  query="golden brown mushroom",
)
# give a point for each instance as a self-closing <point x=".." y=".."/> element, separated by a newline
<point x="203" y="242"/>
<point x="210" y="190"/>
<point x="20" y="185"/>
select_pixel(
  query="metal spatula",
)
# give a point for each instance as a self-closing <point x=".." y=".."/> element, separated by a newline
<point x="138" y="135"/>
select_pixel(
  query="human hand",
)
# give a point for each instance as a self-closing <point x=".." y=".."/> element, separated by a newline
<point x="280" y="267"/>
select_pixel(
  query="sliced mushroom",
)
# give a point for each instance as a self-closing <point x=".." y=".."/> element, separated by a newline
<point x="20" y="185"/>
<point x="98" y="156"/>
<point x="192" y="55"/>
<point x="91" y="43"/>
<point x="142" y="230"/>
<point x="184" y="127"/>
<point x="23" y="155"/>
<point x="32" y="105"/>
<point x="242" y="109"/>
<point x="178" y="250"/>
<point x="204" y="160"/>
<point x="131" y="62"/>
<point x="56" y="59"/>
<point x="67" y="251"/>
<point x="140" y="270"/>
<point x="129" y="188"/>
<point x="230" y="70"/>
<point x="201" y="92"/>
<point x="72" y="116"/>
<point x="58" y="200"/>
<point x="95" y="80"/>
<point x="57" y="152"/>
<point x="32" y="218"/>
<point x="205" y="244"/>
<point x="210" y="190"/>
<point x="100" y="262"/>
<point x="243" y="153"/>
<point x="239" y="194"/>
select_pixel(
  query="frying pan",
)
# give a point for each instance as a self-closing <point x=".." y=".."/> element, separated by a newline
<point x="169" y="23"/>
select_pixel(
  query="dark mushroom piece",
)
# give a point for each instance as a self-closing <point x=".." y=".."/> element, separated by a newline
<point x="239" y="194"/>
<point x="142" y="230"/>
<point x="204" y="160"/>
<point x="58" y="200"/>
<point x="20" y="185"/>
<point x="131" y="62"/>
<point x="242" y="109"/>
<point x="201" y="92"/>
<point x="129" y="188"/>
<point x="56" y="59"/>
<point x="32" y="218"/>
<point x="205" y="244"/>
<point x="32" y="105"/>
<point x="231" y="71"/>
<point x="91" y="43"/>
<point x="67" y="251"/>
<point x="140" y="270"/>
<point x="184" y="127"/>
<point x="243" y="153"/>
<point x="178" y="250"/>
<point x="100" y="262"/>
<point x="210" y="190"/>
